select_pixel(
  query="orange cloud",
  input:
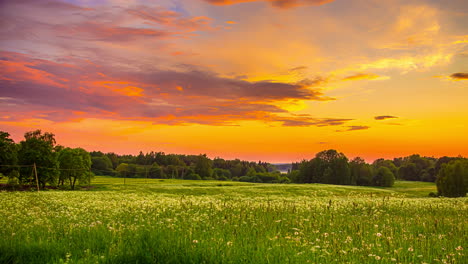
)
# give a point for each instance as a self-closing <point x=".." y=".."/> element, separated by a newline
<point x="275" y="3"/>
<point x="362" y="76"/>
<point x="150" y="94"/>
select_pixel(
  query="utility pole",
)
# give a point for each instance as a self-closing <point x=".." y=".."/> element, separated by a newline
<point x="37" y="180"/>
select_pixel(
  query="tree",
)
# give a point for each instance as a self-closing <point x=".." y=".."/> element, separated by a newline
<point x="8" y="154"/>
<point x="156" y="172"/>
<point x="122" y="170"/>
<point x="221" y="174"/>
<point x="452" y="180"/>
<point x="38" y="148"/>
<point x="383" y="177"/>
<point x="203" y="167"/>
<point x="409" y="172"/>
<point x="328" y="166"/>
<point x="361" y="172"/>
<point x="385" y="163"/>
<point x="102" y="165"/>
<point x="75" y="164"/>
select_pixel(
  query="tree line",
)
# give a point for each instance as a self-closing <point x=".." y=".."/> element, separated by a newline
<point x="332" y="167"/>
<point x="61" y="166"/>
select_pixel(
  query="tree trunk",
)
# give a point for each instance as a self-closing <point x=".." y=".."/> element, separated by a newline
<point x="74" y="181"/>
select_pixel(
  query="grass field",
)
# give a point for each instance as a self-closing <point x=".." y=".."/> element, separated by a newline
<point x="177" y="221"/>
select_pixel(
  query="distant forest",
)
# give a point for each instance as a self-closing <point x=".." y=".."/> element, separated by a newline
<point x="38" y="160"/>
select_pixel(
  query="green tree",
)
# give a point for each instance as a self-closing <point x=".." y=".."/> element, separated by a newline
<point x="75" y="165"/>
<point x="383" y="177"/>
<point x="156" y="171"/>
<point x="221" y="174"/>
<point x="102" y="165"/>
<point x="452" y="180"/>
<point x="38" y="148"/>
<point x="122" y="170"/>
<point x="8" y="154"/>
<point x="203" y="167"/>
<point x="361" y="172"/>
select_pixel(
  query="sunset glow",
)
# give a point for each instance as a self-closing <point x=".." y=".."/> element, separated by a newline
<point x="270" y="80"/>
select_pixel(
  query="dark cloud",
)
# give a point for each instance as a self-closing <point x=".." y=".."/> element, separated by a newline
<point x="460" y="76"/>
<point x="353" y="128"/>
<point x="310" y="121"/>
<point x="383" y="117"/>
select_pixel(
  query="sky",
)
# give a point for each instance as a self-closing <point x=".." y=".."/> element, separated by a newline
<point x="270" y="80"/>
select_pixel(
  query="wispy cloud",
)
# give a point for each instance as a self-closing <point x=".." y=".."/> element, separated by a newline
<point x="383" y="117"/>
<point x="364" y="76"/>
<point x="275" y="3"/>
<point x="353" y="128"/>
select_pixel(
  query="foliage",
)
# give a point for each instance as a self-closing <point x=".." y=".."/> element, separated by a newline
<point x="8" y="154"/>
<point x="452" y="180"/>
<point x="203" y="167"/>
<point x="75" y="164"/>
<point x="328" y="166"/>
<point x="38" y="148"/>
<point x="102" y="165"/>
<point x="383" y="177"/>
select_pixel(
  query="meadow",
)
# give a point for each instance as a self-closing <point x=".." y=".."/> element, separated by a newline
<point x="183" y="221"/>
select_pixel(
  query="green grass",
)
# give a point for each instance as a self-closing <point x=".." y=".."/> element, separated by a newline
<point x="177" y="221"/>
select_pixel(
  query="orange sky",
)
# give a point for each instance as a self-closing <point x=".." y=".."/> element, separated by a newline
<point x="272" y="80"/>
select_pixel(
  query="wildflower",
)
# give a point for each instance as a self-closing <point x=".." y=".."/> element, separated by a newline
<point x="377" y="258"/>
<point x="410" y="249"/>
<point x="378" y="234"/>
<point x="195" y="241"/>
<point x="229" y="243"/>
<point x="459" y="248"/>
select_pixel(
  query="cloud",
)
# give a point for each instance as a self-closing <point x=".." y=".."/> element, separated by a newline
<point x="460" y="76"/>
<point x="184" y="96"/>
<point x="383" y="117"/>
<point x="364" y="76"/>
<point x="276" y="3"/>
<point x="353" y="128"/>
<point x="310" y="121"/>
<point x="169" y="18"/>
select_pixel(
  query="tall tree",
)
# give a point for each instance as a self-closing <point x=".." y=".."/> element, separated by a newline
<point x="452" y="180"/>
<point x="203" y="167"/>
<point x="38" y="148"/>
<point x="75" y="164"/>
<point x="8" y="154"/>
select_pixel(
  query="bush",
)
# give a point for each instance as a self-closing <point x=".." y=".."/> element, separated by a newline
<point x="192" y="176"/>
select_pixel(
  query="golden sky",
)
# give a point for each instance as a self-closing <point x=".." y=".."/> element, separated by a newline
<point x="271" y="80"/>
